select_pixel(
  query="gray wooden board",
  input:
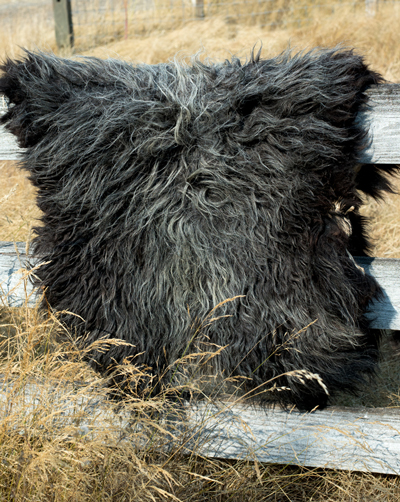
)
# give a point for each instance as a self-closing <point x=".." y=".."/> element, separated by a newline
<point x="384" y="314"/>
<point x="358" y="439"/>
<point x="16" y="288"/>
<point x="382" y="117"/>
<point x="9" y="149"/>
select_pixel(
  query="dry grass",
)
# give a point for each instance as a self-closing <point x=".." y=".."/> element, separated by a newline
<point x="223" y="34"/>
<point x="385" y="224"/>
<point x="18" y="210"/>
<point x="25" y="26"/>
<point x="378" y="38"/>
<point x="62" y="440"/>
<point x="54" y="448"/>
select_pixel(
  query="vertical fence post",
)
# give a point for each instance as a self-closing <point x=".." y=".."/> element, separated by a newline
<point x="63" y="23"/>
<point x="126" y="19"/>
<point x="371" y="7"/>
<point x="198" y="9"/>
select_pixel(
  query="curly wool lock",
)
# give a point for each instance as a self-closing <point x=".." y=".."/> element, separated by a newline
<point x="168" y="189"/>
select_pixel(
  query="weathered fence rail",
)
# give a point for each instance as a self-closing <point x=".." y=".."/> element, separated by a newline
<point x="361" y="439"/>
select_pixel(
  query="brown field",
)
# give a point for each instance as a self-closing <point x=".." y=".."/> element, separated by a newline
<point x="44" y="456"/>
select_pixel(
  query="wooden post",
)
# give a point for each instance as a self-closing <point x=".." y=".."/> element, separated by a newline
<point x="371" y="7"/>
<point x="126" y="19"/>
<point x="63" y="23"/>
<point x="198" y="9"/>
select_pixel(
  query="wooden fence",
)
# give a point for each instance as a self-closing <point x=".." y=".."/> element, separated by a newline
<point x="364" y="439"/>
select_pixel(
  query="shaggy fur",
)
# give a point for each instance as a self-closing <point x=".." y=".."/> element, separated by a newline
<point x="168" y="189"/>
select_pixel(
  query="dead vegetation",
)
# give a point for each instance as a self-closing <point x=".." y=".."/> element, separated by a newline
<point x="62" y="439"/>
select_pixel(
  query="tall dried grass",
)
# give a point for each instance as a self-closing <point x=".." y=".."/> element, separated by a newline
<point x="25" y="25"/>
<point x="18" y="210"/>
<point x="219" y="37"/>
<point x="160" y="32"/>
<point x="62" y="439"/>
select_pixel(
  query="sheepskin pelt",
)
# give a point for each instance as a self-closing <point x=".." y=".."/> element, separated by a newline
<point x="167" y="189"/>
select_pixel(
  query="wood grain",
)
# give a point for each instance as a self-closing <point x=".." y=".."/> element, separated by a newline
<point x="381" y="119"/>
<point x="9" y="149"/>
<point x="385" y="314"/>
<point x="357" y="439"/>
<point x="15" y="287"/>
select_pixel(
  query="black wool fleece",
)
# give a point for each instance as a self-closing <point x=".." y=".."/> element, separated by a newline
<point x="167" y="189"/>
